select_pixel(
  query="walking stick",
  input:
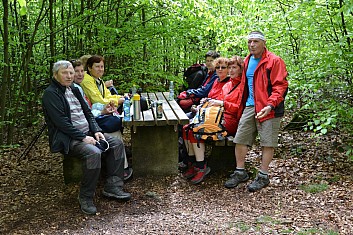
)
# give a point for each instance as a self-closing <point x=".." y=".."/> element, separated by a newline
<point x="34" y="140"/>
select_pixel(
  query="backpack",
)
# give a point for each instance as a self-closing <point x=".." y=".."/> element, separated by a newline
<point x="207" y="124"/>
<point x="186" y="102"/>
<point x="195" y="75"/>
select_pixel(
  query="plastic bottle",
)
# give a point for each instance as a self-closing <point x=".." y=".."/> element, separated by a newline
<point x="171" y="90"/>
<point x="137" y="106"/>
<point x="126" y="107"/>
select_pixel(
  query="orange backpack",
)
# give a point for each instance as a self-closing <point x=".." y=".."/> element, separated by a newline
<point x="207" y="124"/>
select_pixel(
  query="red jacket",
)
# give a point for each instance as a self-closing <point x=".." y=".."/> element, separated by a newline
<point x="266" y="93"/>
<point x="217" y="88"/>
<point x="233" y="106"/>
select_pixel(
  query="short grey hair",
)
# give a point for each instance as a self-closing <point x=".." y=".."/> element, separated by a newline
<point x="61" y="64"/>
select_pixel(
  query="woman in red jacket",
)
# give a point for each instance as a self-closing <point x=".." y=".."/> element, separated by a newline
<point x="229" y="96"/>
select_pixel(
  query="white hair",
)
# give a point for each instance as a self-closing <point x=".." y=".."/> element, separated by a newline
<point x="61" y="64"/>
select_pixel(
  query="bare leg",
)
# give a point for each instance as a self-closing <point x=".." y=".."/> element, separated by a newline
<point x="199" y="151"/>
<point x="240" y="154"/>
<point x="267" y="156"/>
<point x="189" y="148"/>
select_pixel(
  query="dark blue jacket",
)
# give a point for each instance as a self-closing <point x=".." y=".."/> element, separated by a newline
<point x="204" y="89"/>
<point x="58" y="117"/>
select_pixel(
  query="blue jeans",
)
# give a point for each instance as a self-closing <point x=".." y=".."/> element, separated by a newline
<point x="92" y="157"/>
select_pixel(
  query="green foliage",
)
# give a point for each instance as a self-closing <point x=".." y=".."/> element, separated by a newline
<point x="314" y="188"/>
<point x="150" y="43"/>
<point x="242" y="226"/>
<point x="310" y="231"/>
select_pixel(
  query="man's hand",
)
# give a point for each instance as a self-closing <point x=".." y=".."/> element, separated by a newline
<point x="90" y="140"/>
<point x="264" y="112"/>
<point x="99" y="136"/>
<point x="109" y="83"/>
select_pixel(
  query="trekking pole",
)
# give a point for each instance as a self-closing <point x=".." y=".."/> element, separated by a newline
<point x="34" y="140"/>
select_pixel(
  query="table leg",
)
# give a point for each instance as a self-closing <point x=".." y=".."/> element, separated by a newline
<point x="154" y="150"/>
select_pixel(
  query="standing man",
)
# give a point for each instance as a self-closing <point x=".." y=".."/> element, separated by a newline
<point x="73" y="131"/>
<point x="264" y="76"/>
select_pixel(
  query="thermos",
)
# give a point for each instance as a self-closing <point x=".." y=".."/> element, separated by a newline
<point x="137" y="106"/>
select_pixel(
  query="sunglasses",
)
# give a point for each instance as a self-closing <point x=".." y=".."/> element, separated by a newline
<point x="221" y="67"/>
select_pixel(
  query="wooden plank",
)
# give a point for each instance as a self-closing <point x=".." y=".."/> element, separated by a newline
<point x="146" y="119"/>
<point x="160" y="121"/>
<point x="230" y="141"/>
<point x="169" y="114"/>
<point x="179" y="113"/>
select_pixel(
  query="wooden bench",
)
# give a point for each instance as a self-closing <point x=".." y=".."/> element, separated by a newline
<point x="154" y="141"/>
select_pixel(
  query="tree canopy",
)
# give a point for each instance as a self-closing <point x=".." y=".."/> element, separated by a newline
<point x="149" y="43"/>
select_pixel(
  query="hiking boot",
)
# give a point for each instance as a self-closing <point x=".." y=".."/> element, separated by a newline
<point x="127" y="173"/>
<point x="117" y="193"/>
<point x="190" y="172"/>
<point x="87" y="206"/>
<point x="236" y="178"/>
<point x="260" y="182"/>
<point x="200" y="174"/>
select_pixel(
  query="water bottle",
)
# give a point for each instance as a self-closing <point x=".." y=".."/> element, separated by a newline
<point x="126" y="107"/>
<point x="137" y="106"/>
<point x="171" y="90"/>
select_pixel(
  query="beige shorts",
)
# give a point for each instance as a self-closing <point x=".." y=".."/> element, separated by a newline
<point x="249" y="127"/>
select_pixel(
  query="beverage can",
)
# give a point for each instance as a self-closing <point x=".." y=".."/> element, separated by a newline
<point x="159" y="109"/>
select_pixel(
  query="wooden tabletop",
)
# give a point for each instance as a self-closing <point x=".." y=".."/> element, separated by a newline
<point x="172" y="113"/>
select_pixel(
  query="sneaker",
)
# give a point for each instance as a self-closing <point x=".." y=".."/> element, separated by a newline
<point x="87" y="206"/>
<point x="190" y="172"/>
<point x="200" y="174"/>
<point x="117" y="193"/>
<point x="259" y="183"/>
<point x="236" y="178"/>
<point x="127" y="173"/>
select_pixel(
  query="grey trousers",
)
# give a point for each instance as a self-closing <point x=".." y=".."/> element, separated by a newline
<point x="92" y="158"/>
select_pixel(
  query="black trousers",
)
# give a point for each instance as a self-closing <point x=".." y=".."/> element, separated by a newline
<point x="92" y="158"/>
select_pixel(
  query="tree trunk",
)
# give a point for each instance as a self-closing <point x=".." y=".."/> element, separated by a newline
<point x="6" y="71"/>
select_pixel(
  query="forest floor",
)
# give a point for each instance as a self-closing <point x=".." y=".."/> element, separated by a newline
<point x="310" y="193"/>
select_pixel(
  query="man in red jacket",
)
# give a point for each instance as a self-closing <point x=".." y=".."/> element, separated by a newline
<point x="264" y="76"/>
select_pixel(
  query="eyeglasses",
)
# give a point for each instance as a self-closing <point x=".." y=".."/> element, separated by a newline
<point x="221" y="67"/>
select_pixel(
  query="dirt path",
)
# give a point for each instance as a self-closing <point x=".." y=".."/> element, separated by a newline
<point x="34" y="199"/>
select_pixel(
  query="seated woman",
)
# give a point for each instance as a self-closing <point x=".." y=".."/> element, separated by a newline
<point x="230" y="98"/>
<point x="93" y="85"/>
<point x="109" y="84"/>
<point x="105" y="114"/>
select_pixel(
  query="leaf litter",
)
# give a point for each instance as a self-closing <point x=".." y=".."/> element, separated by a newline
<point x="35" y="200"/>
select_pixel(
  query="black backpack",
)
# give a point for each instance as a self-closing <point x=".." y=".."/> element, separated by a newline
<point x="195" y="75"/>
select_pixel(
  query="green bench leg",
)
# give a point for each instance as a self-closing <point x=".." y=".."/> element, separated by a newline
<point x="222" y="159"/>
<point x="154" y="150"/>
<point x="72" y="169"/>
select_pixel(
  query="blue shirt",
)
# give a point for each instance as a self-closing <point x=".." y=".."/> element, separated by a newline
<point x="253" y="62"/>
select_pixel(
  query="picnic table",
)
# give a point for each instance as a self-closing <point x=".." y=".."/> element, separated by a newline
<point x="154" y="141"/>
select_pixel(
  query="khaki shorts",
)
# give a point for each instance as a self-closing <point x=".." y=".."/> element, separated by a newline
<point x="249" y="127"/>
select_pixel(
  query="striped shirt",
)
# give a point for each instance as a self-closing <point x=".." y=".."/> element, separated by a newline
<point x="78" y="118"/>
